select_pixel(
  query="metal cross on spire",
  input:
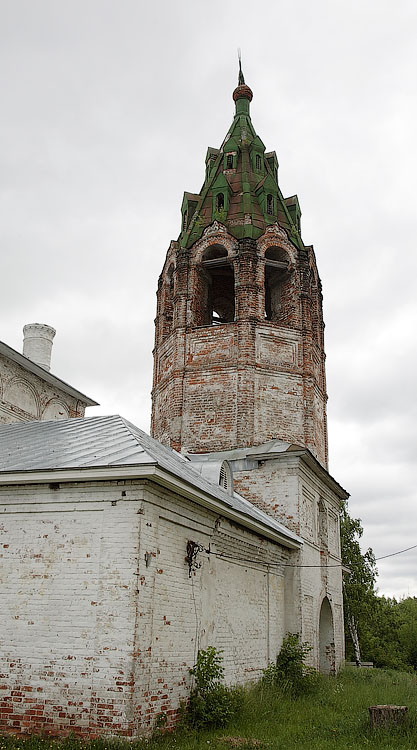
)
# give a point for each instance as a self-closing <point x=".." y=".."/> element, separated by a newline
<point x="241" y="79"/>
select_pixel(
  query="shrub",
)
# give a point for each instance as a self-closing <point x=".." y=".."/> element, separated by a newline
<point x="211" y="703"/>
<point x="289" y="671"/>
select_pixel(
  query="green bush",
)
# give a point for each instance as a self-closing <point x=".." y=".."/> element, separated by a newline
<point x="211" y="703"/>
<point x="289" y="672"/>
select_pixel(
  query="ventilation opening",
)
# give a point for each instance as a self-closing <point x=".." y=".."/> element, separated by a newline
<point x="226" y="478"/>
<point x="223" y="478"/>
<point x="270" y="204"/>
<point x="258" y="162"/>
<point x="229" y="161"/>
<point x="220" y="202"/>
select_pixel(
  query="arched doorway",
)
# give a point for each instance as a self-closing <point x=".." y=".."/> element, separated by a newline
<point x="326" y="638"/>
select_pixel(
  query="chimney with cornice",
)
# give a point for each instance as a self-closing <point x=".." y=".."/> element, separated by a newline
<point x="37" y="343"/>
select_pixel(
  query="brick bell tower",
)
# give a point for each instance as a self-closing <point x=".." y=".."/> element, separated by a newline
<point x="239" y="354"/>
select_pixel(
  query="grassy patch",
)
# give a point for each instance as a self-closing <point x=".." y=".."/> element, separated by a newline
<point x="334" y="716"/>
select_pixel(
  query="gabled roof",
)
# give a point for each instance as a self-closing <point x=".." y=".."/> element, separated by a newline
<point x="35" y="369"/>
<point x="50" y="449"/>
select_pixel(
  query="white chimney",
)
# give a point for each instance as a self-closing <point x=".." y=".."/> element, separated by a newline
<point x="37" y="343"/>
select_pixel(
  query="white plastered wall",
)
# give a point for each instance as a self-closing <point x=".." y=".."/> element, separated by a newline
<point x="99" y="617"/>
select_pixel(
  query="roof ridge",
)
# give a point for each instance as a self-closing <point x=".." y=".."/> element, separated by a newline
<point x="145" y="437"/>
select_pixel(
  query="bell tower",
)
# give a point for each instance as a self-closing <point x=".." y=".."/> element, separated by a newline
<point x="239" y="355"/>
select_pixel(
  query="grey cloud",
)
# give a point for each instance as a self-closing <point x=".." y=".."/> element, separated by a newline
<point x="107" y="113"/>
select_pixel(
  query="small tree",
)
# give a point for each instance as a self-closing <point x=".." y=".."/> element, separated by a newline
<point x="359" y="584"/>
<point x="289" y="671"/>
<point x="211" y="703"/>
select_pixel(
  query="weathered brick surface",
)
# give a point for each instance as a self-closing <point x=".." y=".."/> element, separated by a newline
<point x="295" y="495"/>
<point x="25" y="397"/>
<point x="257" y="378"/>
<point x="241" y="383"/>
<point x="99" y="617"/>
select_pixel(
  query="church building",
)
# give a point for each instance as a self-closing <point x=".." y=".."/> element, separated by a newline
<point x="123" y="554"/>
<point x="239" y="371"/>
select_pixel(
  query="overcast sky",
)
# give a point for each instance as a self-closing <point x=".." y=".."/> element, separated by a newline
<point x="107" y="109"/>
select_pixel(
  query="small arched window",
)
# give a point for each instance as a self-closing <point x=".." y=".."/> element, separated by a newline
<point x="229" y="161"/>
<point x="270" y="204"/>
<point x="258" y="162"/>
<point x="220" y="202"/>
<point x="185" y="220"/>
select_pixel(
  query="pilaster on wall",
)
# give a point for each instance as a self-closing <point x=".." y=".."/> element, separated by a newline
<point x="247" y="289"/>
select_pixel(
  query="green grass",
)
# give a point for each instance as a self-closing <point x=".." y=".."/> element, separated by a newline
<point x="334" y="717"/>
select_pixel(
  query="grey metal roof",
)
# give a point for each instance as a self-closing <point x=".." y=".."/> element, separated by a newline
<point x="107" y="442"/>
<point x="273" y="449"/>
<point x="27" y="364"/>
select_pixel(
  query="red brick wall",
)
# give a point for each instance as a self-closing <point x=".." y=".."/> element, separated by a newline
<point x="246" y="382"/>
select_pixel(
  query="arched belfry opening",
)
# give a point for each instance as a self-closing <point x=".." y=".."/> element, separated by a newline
<point x="219" y="296"/>
<point x="326" y="638"/>
<point x="277" y="265"/>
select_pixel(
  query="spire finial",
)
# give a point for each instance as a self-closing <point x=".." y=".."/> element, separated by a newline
<point x="242" y="91"/>
<point x="241" y="79"/>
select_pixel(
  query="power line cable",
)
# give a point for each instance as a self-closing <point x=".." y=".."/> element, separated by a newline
<point x="295" y="565"/>
<point x="396" y="553"/>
